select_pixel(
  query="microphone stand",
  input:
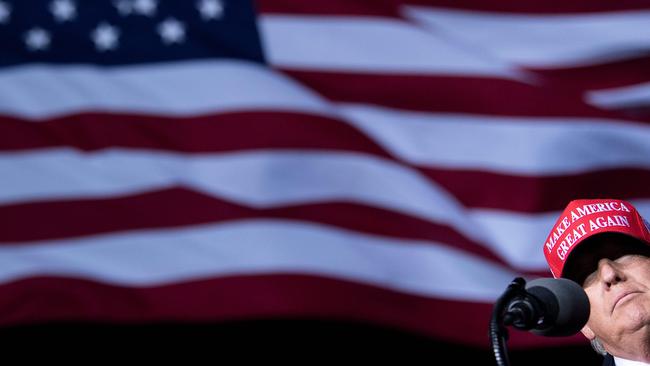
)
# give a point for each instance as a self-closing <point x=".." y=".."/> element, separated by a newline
<point x="498" y="331"/>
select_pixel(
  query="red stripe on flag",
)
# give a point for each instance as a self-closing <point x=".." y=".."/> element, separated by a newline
<point x="330" y="7"/>
<point x="539" y="193"/>
<point x="610" y="75"/>
<point x="47" y="299"/>
<point x="640" y="111"/>
<point x="472" y="95"/>
<point x="210" y="133"/>
<point x="536" y="6"/>
<point x="176" y="207"/>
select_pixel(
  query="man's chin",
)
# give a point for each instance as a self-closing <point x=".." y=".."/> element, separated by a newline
<point x="634" y="318"/>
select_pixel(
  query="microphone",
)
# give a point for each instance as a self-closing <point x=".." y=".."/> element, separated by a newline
<point x="549" y="307"/>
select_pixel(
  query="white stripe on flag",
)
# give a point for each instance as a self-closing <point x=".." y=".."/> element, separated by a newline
<point x="268" y="177"/>
<point x="367" y="44"/>
<point x="176" y="89"/>
<point x="260" y="247"/>
<point x="542" y="40"/>
<point x="512" y="145"/>
<point x="262" y="178"/>
<point x="627" y="96"/>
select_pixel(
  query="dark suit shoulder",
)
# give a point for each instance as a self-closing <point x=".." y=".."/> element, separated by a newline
<point x="608" y="361"/>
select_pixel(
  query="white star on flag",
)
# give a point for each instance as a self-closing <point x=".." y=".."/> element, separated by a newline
<point x="5" y="12"/>
<point x="124" y="7"/>
<point x="63" y="10"/>
<point x="210" y="9"/>
<point x="145" y="7"/>
<point x="171" y="31"/>
<point x="37" y="39"/>
<point x="105" y="37"/>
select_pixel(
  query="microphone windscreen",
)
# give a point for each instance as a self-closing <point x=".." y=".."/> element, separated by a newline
<point x="568" y="303"/>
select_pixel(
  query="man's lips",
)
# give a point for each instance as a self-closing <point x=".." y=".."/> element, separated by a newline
<point x="623" y="296"/>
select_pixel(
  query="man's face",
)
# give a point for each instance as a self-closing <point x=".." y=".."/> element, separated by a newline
<point x="619" y="294"/>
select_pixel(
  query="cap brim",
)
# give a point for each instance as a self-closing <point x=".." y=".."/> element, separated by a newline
<point x="584" y="258"/>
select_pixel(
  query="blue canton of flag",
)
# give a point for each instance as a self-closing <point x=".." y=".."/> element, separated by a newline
<point x="126" y="31"/>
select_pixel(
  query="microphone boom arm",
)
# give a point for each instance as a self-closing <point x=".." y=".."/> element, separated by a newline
<point x="545" y="306"/>
<point x="498" y="331"/>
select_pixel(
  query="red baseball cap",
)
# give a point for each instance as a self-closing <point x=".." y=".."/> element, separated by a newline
<point x="585" y="218"/>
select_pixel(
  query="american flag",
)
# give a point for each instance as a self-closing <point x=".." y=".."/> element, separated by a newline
<point x="390" y="162"/>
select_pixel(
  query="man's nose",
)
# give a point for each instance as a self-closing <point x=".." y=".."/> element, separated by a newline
<point x="609" y="272"/>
